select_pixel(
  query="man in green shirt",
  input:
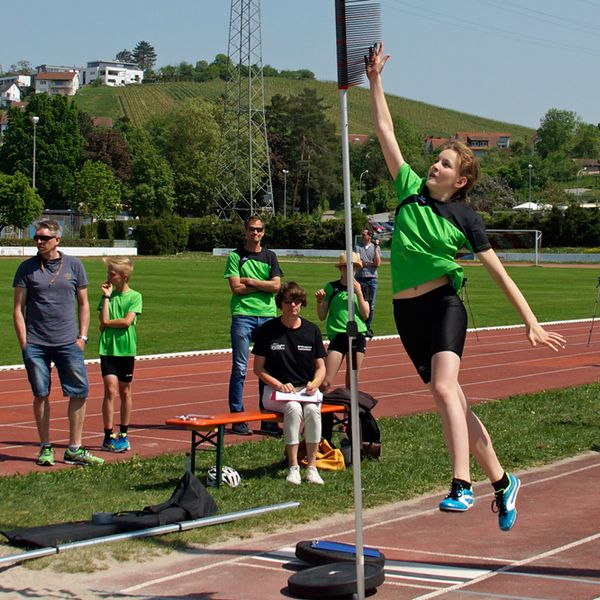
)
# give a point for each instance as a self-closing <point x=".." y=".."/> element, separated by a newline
<point x="254" y="277"/>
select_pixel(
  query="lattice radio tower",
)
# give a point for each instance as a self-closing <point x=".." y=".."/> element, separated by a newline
<point x="243" y="173"/>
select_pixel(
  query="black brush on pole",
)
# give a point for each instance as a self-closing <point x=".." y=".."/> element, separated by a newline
<point x="357" y="28"/>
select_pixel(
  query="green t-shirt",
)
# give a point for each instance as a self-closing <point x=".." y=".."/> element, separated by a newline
<point x="428" y="234"/>
<point x="120" y="341"/>
<point x="261" y="265"/>
<point x="336" y="295"/>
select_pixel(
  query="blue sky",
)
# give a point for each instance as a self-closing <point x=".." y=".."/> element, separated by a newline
<point x="506" y="59"/>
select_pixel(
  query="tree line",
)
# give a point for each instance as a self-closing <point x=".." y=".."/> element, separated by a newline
<point x="167" y="168"/>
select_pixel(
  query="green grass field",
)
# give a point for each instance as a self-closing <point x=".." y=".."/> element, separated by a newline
<point x="186" y="299"/>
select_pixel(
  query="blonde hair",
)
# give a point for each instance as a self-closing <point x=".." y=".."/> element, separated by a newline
<point x="120" y="264"/>
<point x="469" y="166"/>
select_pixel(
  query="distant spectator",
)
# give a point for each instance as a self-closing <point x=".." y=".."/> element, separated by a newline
<point x="368" y="251"/>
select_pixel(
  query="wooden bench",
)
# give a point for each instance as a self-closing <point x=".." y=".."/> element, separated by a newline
<point x="210" y="429"/>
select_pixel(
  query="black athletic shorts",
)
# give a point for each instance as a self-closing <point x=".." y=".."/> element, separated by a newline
<point x="121" y="366"/>
<point x="431" y="323"/>
<point x="340" y="343"/>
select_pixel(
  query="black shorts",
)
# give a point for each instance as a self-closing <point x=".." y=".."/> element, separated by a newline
<point x="340" y="343"/>
<point x="431" y="323"/>
<point x="121" y="366"/>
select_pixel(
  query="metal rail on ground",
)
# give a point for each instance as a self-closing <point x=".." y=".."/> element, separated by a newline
<point x="149" y="532"/>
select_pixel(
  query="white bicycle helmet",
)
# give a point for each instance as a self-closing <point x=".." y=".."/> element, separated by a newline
<point x="229" y="476"/>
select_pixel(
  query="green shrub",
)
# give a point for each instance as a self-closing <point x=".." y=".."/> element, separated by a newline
<point x="205" y="234"/>
<point x="159" y="237"/>
<point x="89" y="231"/>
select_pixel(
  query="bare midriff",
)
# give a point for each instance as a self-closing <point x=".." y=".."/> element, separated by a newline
<point x="423" y="288"/>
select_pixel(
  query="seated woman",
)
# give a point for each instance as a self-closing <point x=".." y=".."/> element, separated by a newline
<point x="288" y="357"/>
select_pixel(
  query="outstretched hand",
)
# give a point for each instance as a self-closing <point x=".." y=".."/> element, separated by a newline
<point x="537" y="334"/>
<point x="375" y="60"/>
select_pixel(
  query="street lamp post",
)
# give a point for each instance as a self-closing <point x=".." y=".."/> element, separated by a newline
<point x="35" y="121"/>
<point x="577" y="184"/>
<point x="530" y="167"/>
<point x="360" y="185"/>
<point x="285" y="174"/>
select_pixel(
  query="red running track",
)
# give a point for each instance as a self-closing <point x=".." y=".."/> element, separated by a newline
<point x="497" y="363"/>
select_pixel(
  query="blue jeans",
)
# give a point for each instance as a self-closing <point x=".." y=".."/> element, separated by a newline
<point x="371" y="283"/>
<point x="69" y="363"/>
<point x="242" y="330"/>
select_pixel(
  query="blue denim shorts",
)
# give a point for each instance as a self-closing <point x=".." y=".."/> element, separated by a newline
<point x="69" y="363"/>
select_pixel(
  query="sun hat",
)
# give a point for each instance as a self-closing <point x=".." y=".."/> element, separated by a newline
<point x="355" y="260"/>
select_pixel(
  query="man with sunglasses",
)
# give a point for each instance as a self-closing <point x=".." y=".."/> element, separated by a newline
<point x="46" y="287"/>
<point x="254" y="278"/>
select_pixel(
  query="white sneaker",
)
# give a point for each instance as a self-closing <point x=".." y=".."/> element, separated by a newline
<point x="294" y="476"/>
<point x="312" y="476"/>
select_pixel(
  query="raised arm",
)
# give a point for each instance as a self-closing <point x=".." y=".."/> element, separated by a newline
<point x="534" y="331"/>
<point x="382" y="118"/>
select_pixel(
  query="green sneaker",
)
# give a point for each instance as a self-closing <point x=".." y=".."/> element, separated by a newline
<point x="46" y="456"/>
<point x="82" y="457"/>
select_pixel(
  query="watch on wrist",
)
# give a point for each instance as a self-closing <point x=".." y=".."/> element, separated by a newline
<point x="83" y="337"/>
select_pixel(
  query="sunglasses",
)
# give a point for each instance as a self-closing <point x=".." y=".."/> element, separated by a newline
<point x="292" y="301"/>
<point x="256" y="229"/>
<point x="43" y="238"/>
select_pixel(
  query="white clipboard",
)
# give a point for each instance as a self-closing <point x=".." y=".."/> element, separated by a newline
<point x="299" y="396"/>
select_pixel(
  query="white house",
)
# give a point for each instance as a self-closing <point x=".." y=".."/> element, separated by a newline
<point x="112" y="73"/>
<point x="9" y="92"/>
<point x="22" y="81"/>
<point x="52" y="83"/>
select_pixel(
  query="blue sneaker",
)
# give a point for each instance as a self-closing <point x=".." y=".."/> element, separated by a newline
<point x="505" y="503"/>
<point x="459" y="499"/>
<point x="116" y="443"/>
<point x="109" y="444"/>
<point x="122" y="443"/>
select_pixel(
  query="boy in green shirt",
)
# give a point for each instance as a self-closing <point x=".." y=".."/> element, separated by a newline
<point x="118" y="310"/>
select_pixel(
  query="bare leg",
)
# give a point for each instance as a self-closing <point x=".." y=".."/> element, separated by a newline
<point x="41" y="412"/>
<point x="126" y="402"/>
<point x="292" y="454"/>
<point x="481" y="444"/>
<point x="111" y="392"/>
<point x="360" y="356"/>
<point x="452" y="406"/>
<point x="76" y="417"/>
<point x="311" y="453"/>
<point x="333" y="363"/>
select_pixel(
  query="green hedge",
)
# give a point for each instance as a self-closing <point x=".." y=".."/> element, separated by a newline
<point x="108" y="230"/>
<point x="159" y="237"/>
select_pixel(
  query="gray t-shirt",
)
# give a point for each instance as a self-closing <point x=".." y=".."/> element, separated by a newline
<point x="367" y="255"/>
<point x="51" y="298"/>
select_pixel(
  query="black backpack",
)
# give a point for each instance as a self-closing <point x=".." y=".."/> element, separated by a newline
<point x="370" y="436"/>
